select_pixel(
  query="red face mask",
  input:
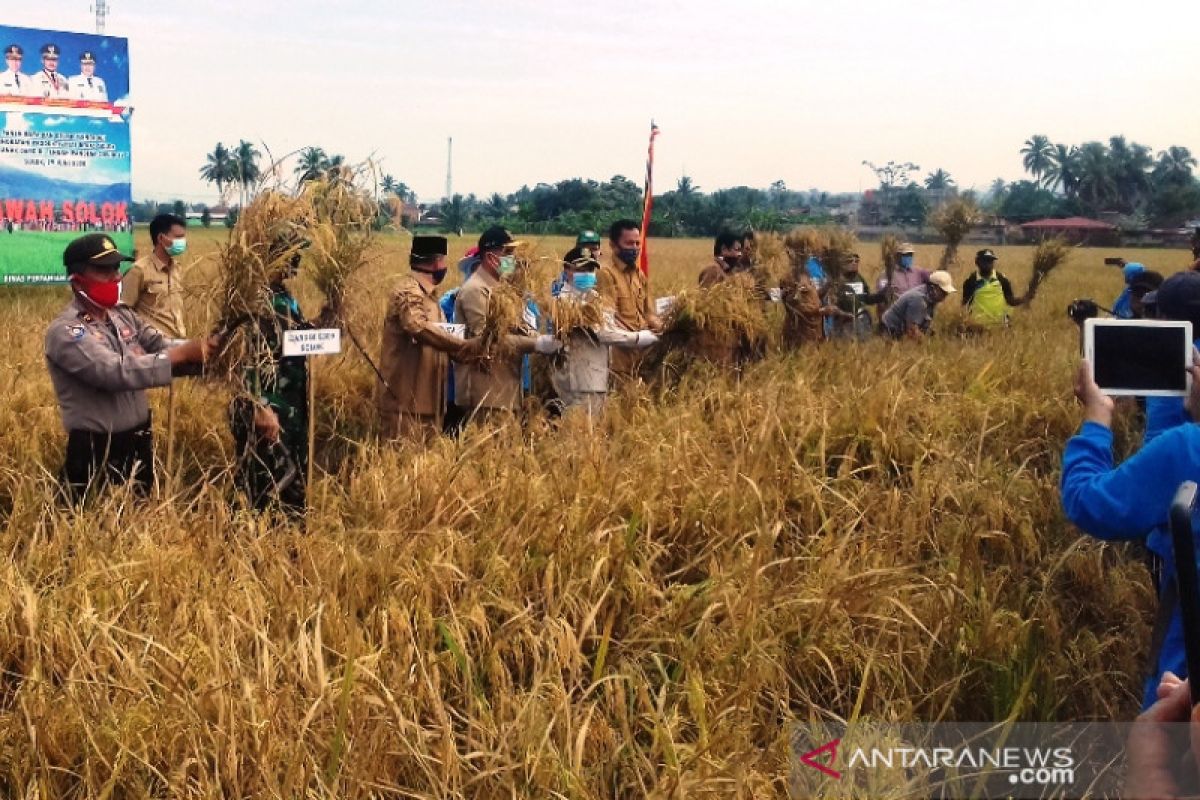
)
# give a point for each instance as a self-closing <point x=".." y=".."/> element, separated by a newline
<point x="105" y="294"/>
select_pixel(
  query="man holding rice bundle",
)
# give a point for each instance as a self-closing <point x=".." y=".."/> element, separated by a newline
<point x="493" y="388"/>
<point x="627" y="291"/>
<point x="987" y="294"/>
<point x="905" y="277"/>
<point x="581" y="374"/>
<point x="102" y="357"/>
<point x="417" y="348"/>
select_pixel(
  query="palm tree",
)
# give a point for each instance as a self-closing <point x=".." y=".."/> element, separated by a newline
<point x="245" y="167"/>
<point x="1064" y="170"/>
<point x="404" y="193"/>
<point x="1097" y="184"/>
<point x="1036" y="154"/>
<point x="1175" y="165"/>
<point x="311" y="164"/>
<point x="685" y="188"/>
<point x="939" y="181"/>
<point x="219" y="169"/>
<point x="1129" y="166"/>
<point x="388" y="185"/>
<point x="454" y="214"/>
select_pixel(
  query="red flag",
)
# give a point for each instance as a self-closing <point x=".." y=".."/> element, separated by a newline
<point x="648" y="204"/>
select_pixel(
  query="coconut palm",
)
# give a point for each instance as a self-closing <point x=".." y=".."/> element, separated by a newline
<point x="496" y="207"/>
<point x="219" y="169"/>
<point x="1175" y="166"/>
<point x="1129" y="167"/>
<point x="938" y="181"/>
<point x="388" y="185"/>
<point x="1063" y="174"/>
<point x="684" y="187"/>
<point x="245" y="167"/>
<point x="1097" y="184"/>
<point x="311" y="164"/>
<point x="1036" y="156"/>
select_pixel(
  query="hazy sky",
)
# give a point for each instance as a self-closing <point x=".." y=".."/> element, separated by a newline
<point x="745" y="92"/>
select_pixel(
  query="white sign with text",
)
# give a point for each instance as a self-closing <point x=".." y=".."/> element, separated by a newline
<point x="318" y="342"/>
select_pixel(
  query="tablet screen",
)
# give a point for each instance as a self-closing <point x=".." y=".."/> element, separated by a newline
<point x="1133" y="357"/>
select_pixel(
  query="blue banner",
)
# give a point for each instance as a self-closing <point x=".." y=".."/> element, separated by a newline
<point x="64" y="147"/>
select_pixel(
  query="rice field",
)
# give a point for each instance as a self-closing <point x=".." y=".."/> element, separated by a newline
<point x="639" y="607"/>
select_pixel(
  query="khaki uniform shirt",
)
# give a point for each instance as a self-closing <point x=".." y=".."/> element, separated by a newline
<point x="498" y="387"/>
<point x="627" y="292"/>
<point x="415" y="353"/>
<point x="101" y="369"/>
<point x="153" y="290"/>
<point x="713" y="274"/>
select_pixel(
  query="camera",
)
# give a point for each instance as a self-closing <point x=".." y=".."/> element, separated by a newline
<point x="1082" y="309"/>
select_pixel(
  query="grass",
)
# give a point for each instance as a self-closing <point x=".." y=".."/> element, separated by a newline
<point x="636" y="607"/>
<point x="26" y="255"/>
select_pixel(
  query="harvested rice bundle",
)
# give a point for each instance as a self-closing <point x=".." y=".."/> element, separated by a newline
<point x="889" y="254"/>
<point x="803" y="243"/>
<point x="341" y="234"/>
<point x="570" y="314"/>
<point x="954" y="220"/>
<point x="730" y="314"/>
<point x="770" y="258"/>
<point x="839" y="247"/>
<point x="1049" y="255"/>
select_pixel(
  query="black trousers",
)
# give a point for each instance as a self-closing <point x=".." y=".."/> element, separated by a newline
<point x="116" y="458"/>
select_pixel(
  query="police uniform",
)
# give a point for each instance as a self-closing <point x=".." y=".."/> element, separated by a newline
<point x="88" y="87"/>
<point x="52" y="84"/>
<point x="100" y="369"/>
<point x="275" y="473"/>
<point x="16" y="83"/>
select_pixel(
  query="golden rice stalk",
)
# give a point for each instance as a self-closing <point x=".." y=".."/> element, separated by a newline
<point x="770" y="258"/>
<point x="573" y="313"/>
<point x="341" y="234"/>
<point x="954" y="220"/>
<point x="889" y="254"/>
<point x="840" y="245"/>
<point x="1048" y="255"/>
<point x="802" y="243"/>
<point x="730" y="313"/>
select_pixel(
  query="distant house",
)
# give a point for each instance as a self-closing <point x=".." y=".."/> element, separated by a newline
<point x="1077" y="230"/>
<point x="217" y="215"/>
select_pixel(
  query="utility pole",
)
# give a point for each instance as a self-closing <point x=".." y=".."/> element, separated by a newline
<point x="101" y="9"/>
<point x="449" y="167"/>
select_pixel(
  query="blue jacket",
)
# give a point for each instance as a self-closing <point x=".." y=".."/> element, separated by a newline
<point x="1130" y="501"/>
<point x="447" y="304"/>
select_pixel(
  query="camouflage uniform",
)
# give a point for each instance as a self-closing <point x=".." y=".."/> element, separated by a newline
<point x="267" y="472"/>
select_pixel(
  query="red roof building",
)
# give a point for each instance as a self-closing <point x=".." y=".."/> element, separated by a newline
<point x="1073" y="229"/>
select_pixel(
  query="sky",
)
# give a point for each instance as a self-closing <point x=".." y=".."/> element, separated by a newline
<point x="745" y="93"/>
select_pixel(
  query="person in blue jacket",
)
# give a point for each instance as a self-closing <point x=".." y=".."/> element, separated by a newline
<point x="1123" y="305"/>
<point x="1131" y="501"/>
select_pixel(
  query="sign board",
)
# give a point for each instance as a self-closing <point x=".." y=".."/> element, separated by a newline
<point x="317" y="342"/>
<point x="64" y="148"/>
<point x="663" y="304"/>
<point x="454" y="329"/>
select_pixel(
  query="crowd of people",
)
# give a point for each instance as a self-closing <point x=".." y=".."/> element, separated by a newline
<point x="440" y="367"/>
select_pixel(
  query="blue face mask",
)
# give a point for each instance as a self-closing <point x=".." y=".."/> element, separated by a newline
<point x="584" y="281"/>
<point x="508" y="265"/>
<point x="906" y="261"/>
<point x="177" y="247"/>
<point x="628" y="255"/>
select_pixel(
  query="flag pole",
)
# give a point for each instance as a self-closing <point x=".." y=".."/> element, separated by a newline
<point x="648" y="204"/>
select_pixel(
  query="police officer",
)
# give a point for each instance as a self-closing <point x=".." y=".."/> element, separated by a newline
<point x="13" y="82"/>
<point x="417" y="349"/>
<point x="102" y="357"/>
<point x="52" y="84"/>
<point x="86" y="86"/>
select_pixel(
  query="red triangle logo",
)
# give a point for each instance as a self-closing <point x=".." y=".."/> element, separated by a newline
<point x="830" y="749"/>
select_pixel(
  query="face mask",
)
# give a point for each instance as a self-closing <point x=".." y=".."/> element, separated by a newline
<point x="438" y="275"/>
<point x="628" y="256"/>
<point x="986" y="269"/>
<point x="732" y="262"/>
<point x="508" y="265"/>
<point x="105" y="294"/>
<point x="906" y="261"/>
<point x="584" y="281"/>
<point x="177" y="247"/>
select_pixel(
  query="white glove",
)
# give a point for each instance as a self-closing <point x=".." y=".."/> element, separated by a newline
<point x="645" y="339"/>
<point x="547" y="345"/>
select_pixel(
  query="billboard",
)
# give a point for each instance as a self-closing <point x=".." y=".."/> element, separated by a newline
<point x="64" y="147"/>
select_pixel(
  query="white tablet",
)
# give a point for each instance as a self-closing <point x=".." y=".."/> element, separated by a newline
<point x="1148" y="358"/>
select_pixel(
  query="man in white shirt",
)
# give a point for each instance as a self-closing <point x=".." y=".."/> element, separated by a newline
<point x="52" y="84"/>
<point x="86" y="86"/>
<point x="13" y="82"/>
